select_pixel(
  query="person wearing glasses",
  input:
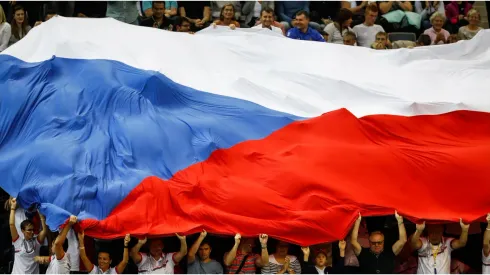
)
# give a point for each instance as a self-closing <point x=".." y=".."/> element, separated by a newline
<point x="26" y="246"/>
<point x="375" y="259"/>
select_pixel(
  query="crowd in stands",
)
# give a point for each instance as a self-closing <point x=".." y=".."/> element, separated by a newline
<point x="381" y="245"/>
<point x="373" y="24"/>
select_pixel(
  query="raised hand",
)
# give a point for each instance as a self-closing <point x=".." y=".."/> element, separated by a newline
<point x="238" y="238"/>
<point x="359" y="218"/>
<point x="72" y="220"/>
<point x="488" y="218"/>
<point x="398" y="218"/>
<point x="127" y="239"/>
<point x="263" y="239"/>
<point x="13" y="204"/>
<point x="204" y="234"/>
<point x="463" y="226"/>
<point x="306" y="250"/>
<point x="182" y="238"/>
<point x="342" y="245"/>
<point x="420" y="227"/>
<point x="142" y="241"/>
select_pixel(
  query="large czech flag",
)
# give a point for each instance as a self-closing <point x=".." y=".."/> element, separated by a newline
<point x="142" y="131"/>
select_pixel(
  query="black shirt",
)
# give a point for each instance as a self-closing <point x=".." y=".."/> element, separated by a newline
<point x="461" y="7"/>
<point x="149" y="22"/>
<point x="194" y="9"/>
<point x="370" y="263"/>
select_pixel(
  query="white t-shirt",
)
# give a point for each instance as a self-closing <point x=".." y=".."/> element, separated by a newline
<point x="334" y="35"/>
<point x="59" y="266"/>
<point x="274" y="29"/>
<point x="25" y="251"/>
<point x="164" y="265"/>
<point x="486" y="264"/>
<point x="443" y="258"/>
<point x="73" y="250"/>
<point x="366" y="35"/>
<point x="97" y="270"/>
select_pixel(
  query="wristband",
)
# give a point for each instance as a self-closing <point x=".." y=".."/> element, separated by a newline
<point x="488" y="229"/>
<point x="264" y="247"/>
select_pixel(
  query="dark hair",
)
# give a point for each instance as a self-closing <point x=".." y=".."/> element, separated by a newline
<point x="351" y="34"/>
<point x="25" y="224"/>
<point x="343" y="16"/>
<point x="267" y="10"/>
<point x="221" y="16"/>
<point x="182" y="20"/>
<point x="65" y="243"/>
<point x="104" y="251"/>
<point x="424" y="39"/>
<point x="157" y="2"/>
<point x="15" y="28"/>
<point x="206" y="242"/>
<point x="302" y="12"/>
<point x="372" y="7"/>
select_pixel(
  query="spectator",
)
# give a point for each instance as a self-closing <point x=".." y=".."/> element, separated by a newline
<point x="303" y="31"/>
<point x="158" y="20"/>
<point x="469" y="31"/>
<point x="267" y="19"/>
<point x="19" y="25"/>
<point x="486" y="248"/>
<point x="92" y="9"/>
<point x="366" y="32"/>
<point x="26" y="246"/>
<point x="63" y="8"/>
<point x="124" y="11"/>
<point x="184" y="25"/>
<point x="103" y="259"/>
<point x="358" y="10"/>
<point x="337" y="29"/>
<point x="49" y="14"/>
<point x="324" y="34"/>
<point x="158" y="261"/>
<point x="437" y="34"/>
<point x="350" y="38"/>
<point x="426" y="9"/>
<point x="198" y="13"/>
<point x="382" y="42"/>
<point x="453" y="38"/>
<point x="435" y="251"/>
<point x="322" y="12"/>
<point x="252" y="10"/>
<point x="241" y="260"/>
<point x="457" y="12"/>
<point x="424" y="40"/>
<point x="280" y="262"/>
<point x="323" y="261"/>
<point x="226" y="17"/>
<point x="286" y="10"/>
<point x="59" y="261"/>
<point x="203" y="264"/>
<point x="217" y="9"/>
<point x="170" y="8"/>
<point x="5" y="31"/>
<point x="376" y="259"/>
<point x="397" y="16"/>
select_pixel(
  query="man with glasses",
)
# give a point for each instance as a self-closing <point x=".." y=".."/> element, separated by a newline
<point x="375" y="259"/>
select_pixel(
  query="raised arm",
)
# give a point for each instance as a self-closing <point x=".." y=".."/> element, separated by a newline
<point x="44" y="231"/>
<point x="463" y="238"/>
<point x="13" y="230"/>
<point x="415" y="241"/>
<point x="406" y="6"/>
<point x="231" y="255"/>
<point x="122" y="264"/>
<point x="486" y="238"/>
<point x="353" y="236"/>
<point x="402" y="235"/>
<point x="264" y="257"/>
<point x="83" y="256"/>
<point x="60" y="240"/>
<point x="135" y="251"/>
<point x="385" y="7"/>
<point x="183" y="249"/>
<point x="306" y="253"/>
<point x="191" y="256"/>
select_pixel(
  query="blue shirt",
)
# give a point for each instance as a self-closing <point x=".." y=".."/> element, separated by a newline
<point x="311" y="34"/>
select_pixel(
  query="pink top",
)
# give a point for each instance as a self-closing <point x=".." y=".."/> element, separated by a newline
<point x="433" y="34"/>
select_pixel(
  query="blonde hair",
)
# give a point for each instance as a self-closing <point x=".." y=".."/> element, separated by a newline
<point x="470" y="13"/>
<point x="3" y="18"/>
<point x="437" y="14"/>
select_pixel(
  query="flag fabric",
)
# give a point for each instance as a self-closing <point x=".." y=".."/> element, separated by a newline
<point x="142" y="131"/>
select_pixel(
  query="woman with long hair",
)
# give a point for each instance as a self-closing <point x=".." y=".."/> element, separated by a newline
<point x="5" y="31"/>
<point x="337" y="29"/>
<point x="20" y="26"/>
<point x="469" y="31"/>
<point x="227" y="17"/>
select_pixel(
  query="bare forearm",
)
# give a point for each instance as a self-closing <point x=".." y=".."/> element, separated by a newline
<point x="231" y="255"/>
<point x="463" y="238"/>
<point x="195" y="246"/>
<point x="265" y="256"/>
<point x="415" y="240"/>
<point x="486" y="241"/>
<point x="135" y="250"/>
<point x="402" y="233"/>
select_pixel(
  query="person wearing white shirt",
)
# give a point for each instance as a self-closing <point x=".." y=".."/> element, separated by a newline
<point x="366" y="32"/>
<point x="26" y="246"/>
<point x="486" y="248"/>
<point x="266" y="19"/>
<point x="435" y="251"/>
<point x="5" y="31"/>
<point x="59" y="261"/>
<point x="103" y="258"/>
<point x="157" y="262"/>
